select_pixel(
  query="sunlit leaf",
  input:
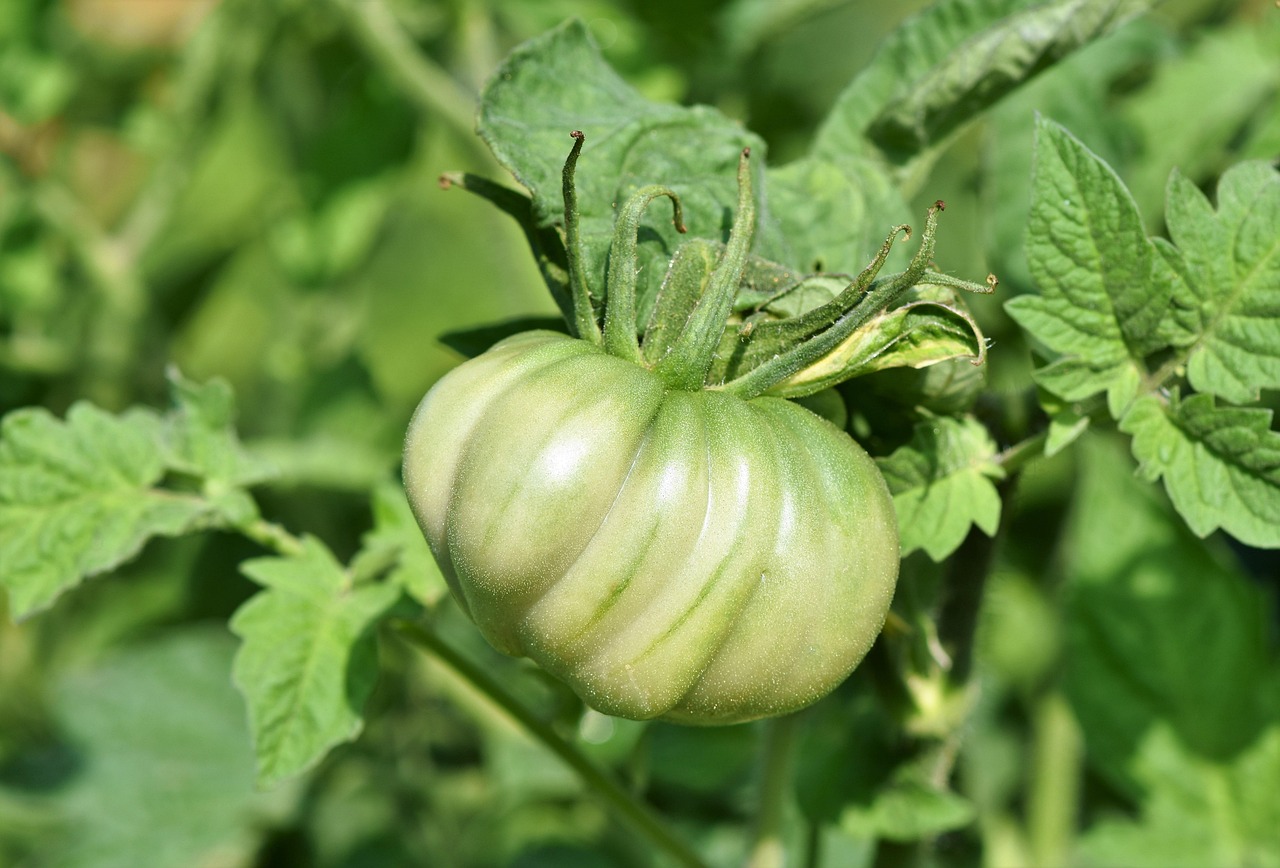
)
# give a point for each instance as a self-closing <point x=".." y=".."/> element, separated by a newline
<point x="308" y="662"/>
<point x="80" y="497"/>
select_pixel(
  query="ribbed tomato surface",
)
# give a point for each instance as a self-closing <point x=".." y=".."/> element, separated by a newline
<point x="669" y="554"/>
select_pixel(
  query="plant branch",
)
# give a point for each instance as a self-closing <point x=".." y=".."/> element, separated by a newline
<point x="775" y="786"/>
<point x="272" y="536"/>
<point x="424" y="82"/>
<point x="203" y="70"/>
<point x="641" y="817"/>
<point x="1055" y="780"/>
<point x="1015" y="457"/>
<point x="967" y="581"/>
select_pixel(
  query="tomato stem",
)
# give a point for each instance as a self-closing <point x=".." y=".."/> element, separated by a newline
<point x="584" y="313"/>
<point x="686" y="365"/>
<point x="641" y="817"/>
<point x="620" y="327"/>
<point x="777" y="760"/>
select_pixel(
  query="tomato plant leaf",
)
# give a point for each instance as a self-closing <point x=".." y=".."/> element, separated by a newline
<point x="81" y="496"/>
<point x="1148" y="644"/>
<point x="308" y="661"/>
<point x="1075" y="93"/>
<point x="942" y="67"/>
<point x="1065" y="427"/>
<point x="827" y="212"/>
<point x="397" y="541"/>
<point x="908" y="807"/>
<point x="559" y="82"/>
<point x="162" y="742"/>
<point x="942" y="483"/>
<point x="1220" y="464"/>
<point x="1087" y="250"/>
<point x="201" y="435"/>
<point x="1229" y="272"/>
<point x="833" y="211"/>
<point x="1197" y="812"/>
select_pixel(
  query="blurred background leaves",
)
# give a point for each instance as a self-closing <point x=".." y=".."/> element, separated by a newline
<point x="248" y="189"/>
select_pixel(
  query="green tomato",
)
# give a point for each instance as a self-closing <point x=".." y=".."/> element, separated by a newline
<point x="676" y="554"/>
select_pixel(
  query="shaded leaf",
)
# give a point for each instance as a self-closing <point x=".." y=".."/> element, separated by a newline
<point x="1229" y="75"/>
<point x="942" y="483"/>
<point x="945" y="65"/>
<point x="1197" y="812"/>
<point x="1162" y="627"/>
<point x="167" y="773"/>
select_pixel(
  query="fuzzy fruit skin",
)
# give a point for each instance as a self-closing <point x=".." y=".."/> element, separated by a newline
<point x="680" y="555"/>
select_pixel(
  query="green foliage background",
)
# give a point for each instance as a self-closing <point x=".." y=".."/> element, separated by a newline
<point x="246" y="192"/>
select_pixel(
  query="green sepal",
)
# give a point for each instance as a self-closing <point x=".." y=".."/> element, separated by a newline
<point x="784" y="350"/>
<point x="687" y="363"/>
<point x="764" y="285"/>
<point x="930" y="326"/>
<point x="620" y="324"/>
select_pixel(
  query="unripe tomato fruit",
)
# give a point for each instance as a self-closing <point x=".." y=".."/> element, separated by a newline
<point x="676" y="554"/>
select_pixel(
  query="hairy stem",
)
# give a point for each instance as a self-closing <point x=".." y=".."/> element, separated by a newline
<point x="775" y="787"/>
<point x="272" y="536"/>
<point x="635" y="812"/>
<point x="1015" y="457"/>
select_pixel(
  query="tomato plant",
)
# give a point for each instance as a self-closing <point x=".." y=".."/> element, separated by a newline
<point x="678" y="554"/>
<point x="640" y="517"/>
<point x="723" y="426"/>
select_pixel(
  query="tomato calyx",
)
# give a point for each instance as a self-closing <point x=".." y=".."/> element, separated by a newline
<point x="716" y="324"/>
